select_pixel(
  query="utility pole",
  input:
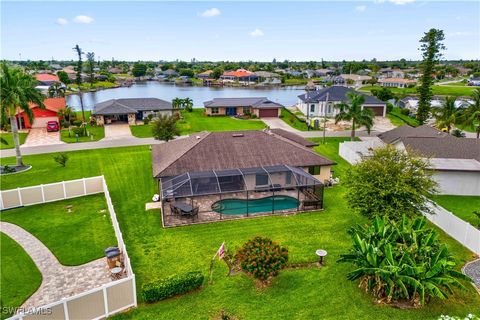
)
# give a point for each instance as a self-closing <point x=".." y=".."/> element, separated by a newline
<point x="325" y="117"/>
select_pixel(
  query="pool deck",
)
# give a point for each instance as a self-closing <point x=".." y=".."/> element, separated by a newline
<point x="206" y="215"/>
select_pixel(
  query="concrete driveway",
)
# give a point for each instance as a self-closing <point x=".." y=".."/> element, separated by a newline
<point x="40" y="137"/>
<point x="117" y="131"/>
<point x="277" y="123"/>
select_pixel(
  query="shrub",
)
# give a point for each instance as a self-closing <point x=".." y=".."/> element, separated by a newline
<point x="169" y="287"/>
<point x="77" y="123"/>
<point x="405" y="112"/>
<point x="404" y="260"/>
<point x="165" y="128"/>
<point x="389" y="107"/>
<point x="8" y="169"/>
<point x="79" y="131"/>
<point x="146" y="121"/>
<point x="262" y="258"/>
<point x="61" y="159"/>
<point x="65" y="124"/>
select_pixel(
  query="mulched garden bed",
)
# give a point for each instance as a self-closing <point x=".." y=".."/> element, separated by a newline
<point x="4" y="170"/>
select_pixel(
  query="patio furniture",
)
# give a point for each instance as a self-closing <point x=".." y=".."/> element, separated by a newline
<point x="183" y="208"/>
<point x="116" y="273"/>
<point x="321" y="253"/>
<point x="174" y="210"/>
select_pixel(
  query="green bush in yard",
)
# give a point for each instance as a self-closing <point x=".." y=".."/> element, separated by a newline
<point x="169" y="287"/>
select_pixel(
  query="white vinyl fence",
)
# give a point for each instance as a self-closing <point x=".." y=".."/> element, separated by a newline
<point x="457" y="228"/>
<point x="97" y="303"/>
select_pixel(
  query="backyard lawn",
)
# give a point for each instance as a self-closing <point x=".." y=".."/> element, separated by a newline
<point x="398" y="119"/>
<point x="444" y="90"/>
<point x="74" y="238"/>
<point x="196" y="121"/>
<point x="19" y="277"/>
<point x="297" y="293"/>
<point x="461" y="206"/>
<point x="292" y="120"/>
<point x="9" y="138"/>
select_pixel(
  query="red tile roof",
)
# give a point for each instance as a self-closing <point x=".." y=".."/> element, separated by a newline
<point x="239" y="73"/>
<point x="52" y="104"/>
<point x="46" y="77"/>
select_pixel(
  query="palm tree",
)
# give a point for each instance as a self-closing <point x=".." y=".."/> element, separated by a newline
<point x="177" y="103"/>
<point x="354" y="112"/>
<point x="18" y="91"/>
<point x="66" y="113"/>
<point x="188" y="103"/>
<point x="446" y="115"/>
<point x="56" y="90"/>
<point x="471" y="116"/>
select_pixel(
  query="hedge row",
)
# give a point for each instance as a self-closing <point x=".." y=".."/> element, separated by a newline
<point x="174" y="285"/>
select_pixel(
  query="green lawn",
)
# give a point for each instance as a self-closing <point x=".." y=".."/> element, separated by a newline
<point x="292" y="120"/>
<point x="398" y="119"/>
<point x="97" y="132"/>
<point x="20" y="277"/>
<point x="196" y="121"/>
<point x="461" y="206"/>
<point x="74" y="238"/>
<point x="296" y="294"/>
<point x="9" y="138"/>
<point x="444" y="90"/>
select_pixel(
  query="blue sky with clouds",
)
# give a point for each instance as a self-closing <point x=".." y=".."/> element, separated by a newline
<point x="381" y="29"/>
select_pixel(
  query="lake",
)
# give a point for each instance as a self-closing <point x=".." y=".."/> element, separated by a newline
<point x="167" y="91"/>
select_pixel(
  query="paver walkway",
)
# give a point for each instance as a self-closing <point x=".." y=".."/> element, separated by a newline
<point x="58" y="281"/>
<point x="40" y="137"/>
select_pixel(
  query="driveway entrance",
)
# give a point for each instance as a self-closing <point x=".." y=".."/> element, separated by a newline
<point x="40" y="137"/>
<point x="117" y="130"/>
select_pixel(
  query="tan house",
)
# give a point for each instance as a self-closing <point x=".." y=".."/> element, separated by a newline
<point x="259" y="106"/>
<point x="397" y="83"/>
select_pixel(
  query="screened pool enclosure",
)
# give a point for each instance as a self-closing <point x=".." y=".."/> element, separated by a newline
<point x="227" y="194"/>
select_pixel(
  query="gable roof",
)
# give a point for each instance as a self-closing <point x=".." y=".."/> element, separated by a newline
<point x="336" y="94"/>
<point x="131" y="105"/>
<point x="230" y="150"/>
<point x="52" y="104"/>
<point x="450" y="147"/>
<point x="256" y="102"/>
<point x="294" y="137"/>
<point x="405" y="131"/>
<point x="46" y="77"/>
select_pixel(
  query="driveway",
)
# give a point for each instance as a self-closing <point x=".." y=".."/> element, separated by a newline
<point x="40" y="137"/>
<point x="117" y="131"/>
<point x="277" y="123"/>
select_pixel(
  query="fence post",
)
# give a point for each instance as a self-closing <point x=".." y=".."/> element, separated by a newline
<point x="105" y="301"/>
<point x="65" y="309"/>
<point x="64" y="190"/>
<point x="84" y="187"/>
<point x="134" y="287"/>
<point x="43" y="193"/>
<point x="1" y="200"/>
<point x="20" y="196"/>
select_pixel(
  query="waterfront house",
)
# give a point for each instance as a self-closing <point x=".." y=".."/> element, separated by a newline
<point x="315" y="104"/>
<point x="240" y="75"/>
<point x="130" y="110"/>
<point x="204" y="75"/>
<point x="259" y="106"/>
<point x="41" y="116"/>
<point x="397" y="83"/>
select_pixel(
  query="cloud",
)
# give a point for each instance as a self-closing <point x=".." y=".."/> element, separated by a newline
<point x="361" y="8"/>
<point x="62" y="21"/>
<point x="459" y="34"/>
<point x="398" y="2"/>
<point x="256" y="33"/>
<point x="210" y="13"/>
<point x="83" y="19"/>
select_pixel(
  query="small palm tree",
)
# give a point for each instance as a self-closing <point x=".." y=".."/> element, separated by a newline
<point x="353" y="111"/>
<point x="18" y="91"/>
<point x="177" y="103"/>
<point x="471" y="116"/>
<point x="446" y="115"/>
<point x="56" y="90"/>
<point x="66" y="113"/>
<point x="188" y="103"/>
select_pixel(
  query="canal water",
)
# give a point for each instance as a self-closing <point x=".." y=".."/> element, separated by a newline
<point x="166" y="91"/>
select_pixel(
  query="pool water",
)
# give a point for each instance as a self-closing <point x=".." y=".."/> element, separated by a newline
<point x="239" y="206"/>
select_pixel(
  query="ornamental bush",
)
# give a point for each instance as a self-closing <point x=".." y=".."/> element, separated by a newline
<point x="262" y="258"/>
<point x="169" y="287"/>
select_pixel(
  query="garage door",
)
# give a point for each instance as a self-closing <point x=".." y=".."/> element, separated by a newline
<point x="265" y="113"/>
<point x="378" y="111"/>
<point x="41" y="122"/>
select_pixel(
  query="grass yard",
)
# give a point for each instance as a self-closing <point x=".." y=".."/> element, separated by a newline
<point x="74" y="238"/>
<point x="292" y="120"/>
<point x="461" y="206"/>
<point x="296" y="294"/>
<point x="398" y="119"/>
<point x="20" y="276"/>
<point x="97" y="132"/>
<point x="9" y="138"/>
<point x="445" y="90"/>
<point x="197" y="121"/>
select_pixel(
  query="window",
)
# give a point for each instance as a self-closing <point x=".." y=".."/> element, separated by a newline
<point x="214" y="110"/>
<point x="314" y="170"/>
<point x="246" y="110"/>
<point x="261" y="179"/>
<point x="312" y="108"/>
<point x="288" y="178"/>
<point x="329" y="108"/>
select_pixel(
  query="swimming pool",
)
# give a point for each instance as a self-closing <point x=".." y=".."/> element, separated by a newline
<point x="239" y="206"/>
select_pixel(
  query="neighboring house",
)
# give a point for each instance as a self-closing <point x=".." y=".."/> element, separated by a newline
<point x="265" y="77"/>
<point x="323" y="72"/>
<point x="314" y="103"/>
<point x="455" y="161"/>
<point x="474" y="81"/>
<point x="41" y="116"/>
<point x="397" y="73"/>
<point x="170" y="73"/>
<point x="358" y="80"/>
<point x="294" y="137"/>
<point x="397" y="83"/>
<point x="55" y="66"/>
<point x="240" y="75"/>
<point x="250" y="167"/>
<point x="205" y="74"/>
<point x="114" y="70"/>
<point x="46" y="80"/>
<point x="260" y="106"/>
<point x="130" y="110"/>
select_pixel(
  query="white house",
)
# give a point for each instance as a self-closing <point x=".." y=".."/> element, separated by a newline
<point x="315" y="104"/>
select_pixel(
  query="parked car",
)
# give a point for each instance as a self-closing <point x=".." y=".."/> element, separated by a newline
<point x="53" y="126"/>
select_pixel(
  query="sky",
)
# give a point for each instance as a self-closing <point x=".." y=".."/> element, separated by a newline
<point x="236" y="31"/>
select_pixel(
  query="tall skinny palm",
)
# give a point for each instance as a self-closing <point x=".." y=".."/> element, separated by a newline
<point x="446" y="115"/>
<point x="18" y="91"/>
<point x="471" y="116"/>
<point x="353" y="111"/>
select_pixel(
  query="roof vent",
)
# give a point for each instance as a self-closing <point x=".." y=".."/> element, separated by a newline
<point x="237" y="135"/>
<point x="198" y="137"/>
